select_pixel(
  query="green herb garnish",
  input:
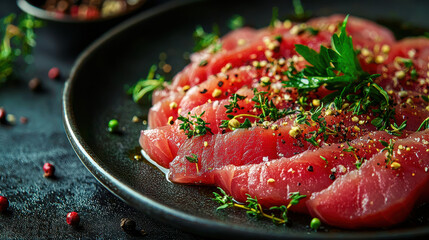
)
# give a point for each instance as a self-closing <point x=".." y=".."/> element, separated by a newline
<point x="194" y="126"/>
<point x="236" y="22"/>
<point x="233" y="103"/>
<point x="146" y="85"/>
<point x="352" y="149"/>
<point x="389" y="148"/>
<point x="17" y="39"/>
<point x="193" y="159"/>
<point x="253" y="207"/>
<point x="274" y="17"/>
<point x="339" y="69"/>
<point x="204" y="40"/>
<point x="397" y="130"/>
<point x="424" y="125"/>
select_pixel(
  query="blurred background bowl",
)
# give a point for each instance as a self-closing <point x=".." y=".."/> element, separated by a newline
<point x="70" y="33"/>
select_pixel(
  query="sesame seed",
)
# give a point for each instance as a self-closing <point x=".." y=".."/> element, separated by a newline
<point x="294" y="131"/>
<point x="379" y="59"/>
<point x="361" y="122"/>
<point x="206" y="143"/>
<point x="135" y="119"/>
<point x="355" y="119"/>
<point x="241" y="42"/>
<point x="356" y="129"/>
<point x="316" y="102"/>
<point x="385" y="48"/>
<point x="287" y="24"/>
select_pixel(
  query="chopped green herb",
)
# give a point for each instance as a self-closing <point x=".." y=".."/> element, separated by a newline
<point x="17" y="39"/>
<point x="389" y="148"/>
<point x="267" y="107"/>
<point x="146" y="85"/>
<point x="236" y="22"/>
<point x="295" y="197"/>
<point x="299" y="10"/>
<point x="274" y="17"/>
<point x="193" y="159"/>
<point x="324" y="159"/>
<point x="203" y="63"/>
<point x="352" y="149"/>
<point x="233" y="103"/>
<point x="204" y="40"/>
<point x="424" y="125"/>
<point x="397" y="130"/>
<point x="194" y="126"/>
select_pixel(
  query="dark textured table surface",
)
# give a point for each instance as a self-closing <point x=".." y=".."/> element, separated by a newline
<point x="38" y="205"/>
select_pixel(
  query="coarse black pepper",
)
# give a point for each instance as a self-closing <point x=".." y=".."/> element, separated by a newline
<point x="310" y="168"/>
<point x="203" y="91"/>
<point x="220" y="83"/>
<point x="332" y="176"/>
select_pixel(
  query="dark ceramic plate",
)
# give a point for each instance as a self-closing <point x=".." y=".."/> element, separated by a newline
<point x="94" y="95"/>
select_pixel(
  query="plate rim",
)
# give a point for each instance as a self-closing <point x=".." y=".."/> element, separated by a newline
<point x="188" y="222"/>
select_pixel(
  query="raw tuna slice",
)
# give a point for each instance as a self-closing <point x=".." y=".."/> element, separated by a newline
<point x="407" y="66"/>
<point x="377" y="196"/>
<point x="161" y="144"/>
<point x="272" y="182"/>
<point x="254" y="145"/>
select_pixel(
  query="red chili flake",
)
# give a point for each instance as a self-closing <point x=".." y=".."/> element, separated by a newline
<point x="49" y="170"/>
<point x="73" y="218"/>
<point x="4" y="204"/>
<point x="54" y="73"/>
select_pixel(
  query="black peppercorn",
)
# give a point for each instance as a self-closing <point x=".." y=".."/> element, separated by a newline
<point x="128" y="225"/>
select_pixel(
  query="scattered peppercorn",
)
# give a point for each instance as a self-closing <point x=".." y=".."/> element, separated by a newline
<point x="34" y="84"/>
<point x="49" y="170"/>
<point x="315" y="223"/>
<point x="23" y="120"/>
<point x="128" y="225"/>
<point x="332" y="176"/>
<point x="54" y="73"/>
<point x="4" y="203"/>
<point x="310" y="168"/>
<point x="113" y="125"/>
<point x="2" y="115"/>
<point x="73" y="218"/>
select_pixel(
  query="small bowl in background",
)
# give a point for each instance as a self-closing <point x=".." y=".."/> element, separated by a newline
<point x="70" y="33"/>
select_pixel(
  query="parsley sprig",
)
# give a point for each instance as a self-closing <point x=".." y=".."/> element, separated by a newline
<point x="253" y="207"/>
<point x="17" y="39"/>
<point x="194" y="125"/>
<point x="338" y="69"/>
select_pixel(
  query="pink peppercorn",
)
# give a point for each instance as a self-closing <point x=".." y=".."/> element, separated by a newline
<point x="4" y="204"/>
<point x="54" y="73"/>
<point x="49" y="170"/>
<point x="73" y="218"/>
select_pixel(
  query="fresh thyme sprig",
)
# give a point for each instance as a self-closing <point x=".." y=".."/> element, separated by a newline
<point x="268" y="111"/>
<point x="17" y="39"/>
<point x="316" y="117"/>
<point x="194" y="126"/>
<point x="338" y="69"/>
<point x="146" y="85"/>
<point x="352" y="149"/>
<point x="233" y="103"/>
<point x="388" y="146"/>
<point x="204" y="40"/>
<point x="254" y="208"/>
<point x="424" y="125"/>
<point x="397" y="130"/>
